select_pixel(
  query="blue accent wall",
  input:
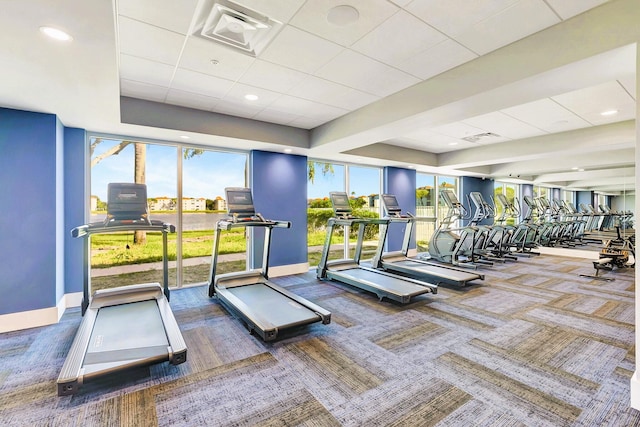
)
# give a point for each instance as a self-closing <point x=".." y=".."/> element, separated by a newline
<point x="29" y="251"/>
<point x="279" y="186"/>
<point x="75" y="161"/>
<point x="483" y="186"/>
<point x="59" y="209"/>
<point x="401" y="183"/>
<point x="585" y="197"/>
<point x="555" y="194"/>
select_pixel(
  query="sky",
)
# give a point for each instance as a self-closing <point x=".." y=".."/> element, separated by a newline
<point x="208" y="174"/>
<point x="205" y="175"/>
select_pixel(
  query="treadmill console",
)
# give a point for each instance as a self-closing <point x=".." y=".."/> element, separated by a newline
<point x="391" y="205"/>
<point x="240" y="203"/>
<point x="127" y="204"/>
<point x="340" y="203"/>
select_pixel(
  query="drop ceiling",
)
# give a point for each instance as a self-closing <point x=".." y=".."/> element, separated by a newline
<point x="505" y="89"/>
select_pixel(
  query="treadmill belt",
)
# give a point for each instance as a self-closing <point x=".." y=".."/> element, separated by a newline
<point x="127" y="332"/>
<point x="460" y="276"/>
<point x="386" y="283"/>
<point x="269" y="304"/>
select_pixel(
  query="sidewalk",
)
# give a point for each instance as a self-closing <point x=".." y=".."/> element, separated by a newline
<point x="189" y="262"/>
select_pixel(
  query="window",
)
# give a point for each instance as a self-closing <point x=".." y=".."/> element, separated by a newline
<point x="362" y="185"/>
<point x="185" y="187"/>
<point x="511" y="192"/>
<point x="205" y="175"/>
<point x="117" y="160"/>
<point x="426" y="202"/>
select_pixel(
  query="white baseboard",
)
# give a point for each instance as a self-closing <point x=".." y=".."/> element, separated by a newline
<point x="41" y="317"/>
<point x="72" y="300"/>
<point x="28" y="319"/>
<point x="635" y="391"/>
<point x="286" y="270"/>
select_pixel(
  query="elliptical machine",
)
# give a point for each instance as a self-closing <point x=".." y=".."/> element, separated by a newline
<point x="454" y="246"/>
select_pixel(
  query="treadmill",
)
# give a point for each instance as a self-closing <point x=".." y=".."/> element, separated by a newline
<point x="399" y="262"/>
<point x="349" y="270"/>
<point x="266" y="308"/>
<point x="127" y="326"/>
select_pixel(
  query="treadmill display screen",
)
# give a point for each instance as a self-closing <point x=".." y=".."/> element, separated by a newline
<point x="127" y="201"/>
<point x="340" y="202"/>
<point x="390" y="203"/>
<point x="239" y="201"/>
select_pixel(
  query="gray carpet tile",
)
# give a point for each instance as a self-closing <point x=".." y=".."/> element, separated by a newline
<point x="534" y="344"/>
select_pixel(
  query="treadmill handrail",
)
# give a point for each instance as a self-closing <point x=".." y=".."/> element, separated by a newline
<point x="257" y="221"/>
<point x="114" y="227"/>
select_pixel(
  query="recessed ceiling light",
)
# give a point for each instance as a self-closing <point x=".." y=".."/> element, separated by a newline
<point x="575" y="168"/>
<point x="453" y="143"/>
<point x="251" y="97"/>
<point x="288" y="150"/>
<point x="609" y="113"/>
<point x="184" y="137"/>
<point x="56" y="34"/>
<point x="581" y="170"/>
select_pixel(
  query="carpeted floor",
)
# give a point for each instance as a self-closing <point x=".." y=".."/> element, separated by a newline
<point x="532" y="345"/>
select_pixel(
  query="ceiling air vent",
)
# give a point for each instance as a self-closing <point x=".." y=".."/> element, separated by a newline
<point x="238" y="27"/>
<point x="481" y="136"/>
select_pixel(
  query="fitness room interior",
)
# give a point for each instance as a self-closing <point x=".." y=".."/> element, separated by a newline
<point x="318" y="212"/>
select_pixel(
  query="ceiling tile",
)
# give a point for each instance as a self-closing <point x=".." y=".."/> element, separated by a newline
<point x="318" y="90"/>
<point x="457" y="130"/>
<point x="363" y="73"/>
<point x="629" y="84"/>
<point x="588" y="103"/>
<point x="275" y="116"/>
<point x="145" y="71"/>
<point x="271" y="76"/>
<point x="398" y="39"/>
<point x="199" y="53"/>
<point x="146" y="41"/>
<point x="437" y="59"/>
<point x="448" y="16"/>
<point x="169" y="14"/>
<point x="191" y="100"/>
<point x="142" y="90"/>
<point x="304" y="107"/>
<point x="280" y="10"/>
<point x="514" y="23"/>
<point x="401" y="3"/>
<point x="432" y="142"/>
<point x="547" y="115"/>
<point x="352" y="99"/>
<point x="312" y="17"/>
<point x="300" y="50"/>
<point x="568" y="8"/>
<point x="503" y="125"/>
<point x="238" y="91"/>
<point x="203" y="84"/>
<point x="238" y="110"/>
<point x="306" y="122"/>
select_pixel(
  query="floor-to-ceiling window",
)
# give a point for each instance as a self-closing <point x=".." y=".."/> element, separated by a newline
<point x="362" y="184"/>
<point x="185" y="187"/>
<point x="510" y="216"/>
<point x="322" y="178"/>
<point x="426" y="204"/>
<point x="429" y="205"/>
<point x="205" y="175"/>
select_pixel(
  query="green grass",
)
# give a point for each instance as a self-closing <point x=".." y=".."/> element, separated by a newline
<point x="109" y="250"/>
